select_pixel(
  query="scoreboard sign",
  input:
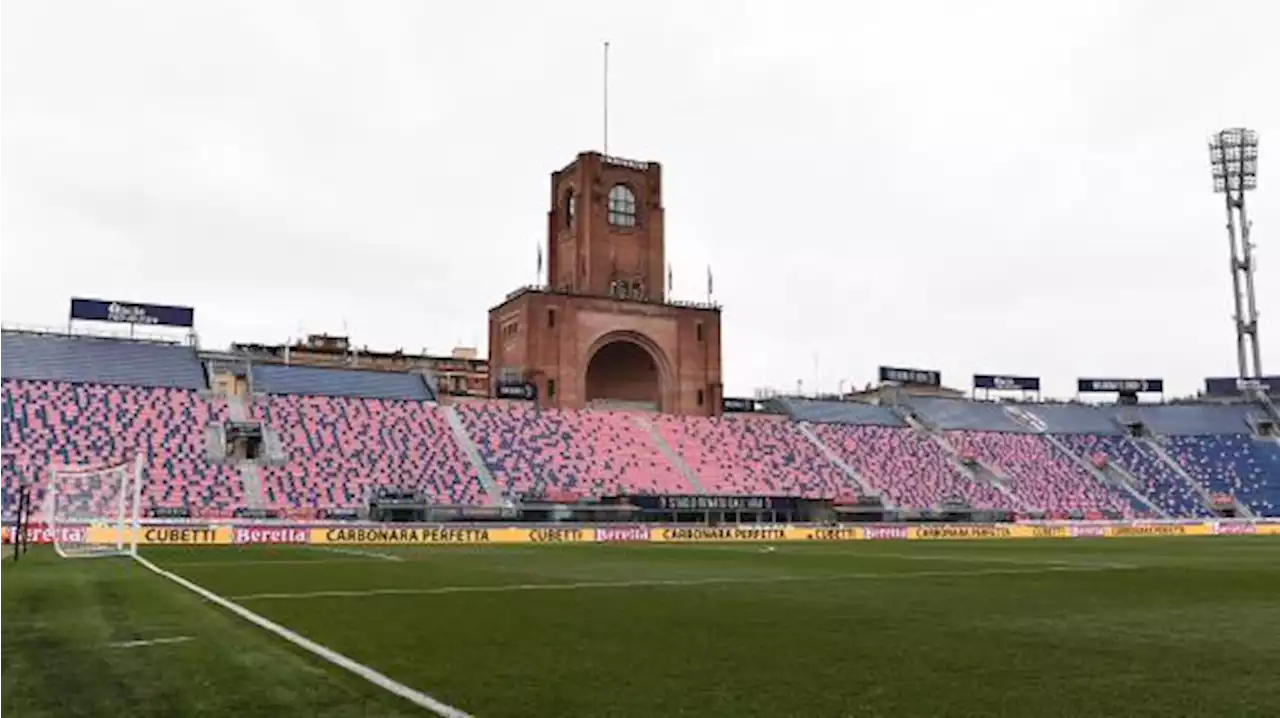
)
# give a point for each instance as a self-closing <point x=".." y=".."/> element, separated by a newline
<point x="1006" y="383"/>
<point x="903" y="375"/>
<point x="1121" y="386"/>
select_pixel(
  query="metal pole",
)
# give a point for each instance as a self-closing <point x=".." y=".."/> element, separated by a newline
<point x="1235" y="284"/>
<point x="606" y="97"/>
<point x="1250" y="297"/>
<point x="17" y="526"/>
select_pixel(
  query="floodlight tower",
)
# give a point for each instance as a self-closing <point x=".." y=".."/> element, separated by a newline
<point x="1233" y="154"/>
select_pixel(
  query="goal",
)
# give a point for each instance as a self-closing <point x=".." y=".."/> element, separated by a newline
<point x="93" y="511"/>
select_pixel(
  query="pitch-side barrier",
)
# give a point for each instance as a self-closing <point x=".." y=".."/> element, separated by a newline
<point x="188" y="532"/>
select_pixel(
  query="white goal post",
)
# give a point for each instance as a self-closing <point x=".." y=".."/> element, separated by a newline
<point x="94" y="511"/>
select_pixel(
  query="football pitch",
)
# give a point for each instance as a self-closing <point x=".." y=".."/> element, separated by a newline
<point x="1132" y="627"/>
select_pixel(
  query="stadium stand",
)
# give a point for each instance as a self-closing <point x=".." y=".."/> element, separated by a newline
<point x="1191" y="419"/>
<point x="61" y="423"/>
<point x="947" y="414"/>
<point x="339" y="450"/>
<point x="322" y="381"/>
<point x="346" y="433"/>
<point x="550" y="452"/>
<point x="840" y="412"/>
<point x="910" y="470"/>
<point x="1042" y="477"/>
<point x="52" y="357"/>
<point x="1072" y="418"/>
<point x="1239" y="465"/>
<point x="1158" y="481"/>
<point x="756" y="456"/>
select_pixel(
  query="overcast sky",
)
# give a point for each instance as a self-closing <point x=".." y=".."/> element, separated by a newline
<point x="1012" y="187"/>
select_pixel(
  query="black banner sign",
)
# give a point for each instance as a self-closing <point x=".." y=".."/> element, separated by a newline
<point x="1006" y="383"/>
<point x="169" y="512"/>
<point x="248" y="513"/>
<point x="524" y="391"/>
<point x="1233" y="386"/>
<point x="713" y="503"/>
<point x="733" y="405"/>
<point x="1122" y="386"/>
<point x="99" y="310"/>
<point x="901" y="375"/>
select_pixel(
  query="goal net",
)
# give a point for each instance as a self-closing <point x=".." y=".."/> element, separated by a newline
<point x="92" y="511"/>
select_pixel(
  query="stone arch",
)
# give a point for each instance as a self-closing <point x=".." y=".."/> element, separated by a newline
<point x="627" y="367"/>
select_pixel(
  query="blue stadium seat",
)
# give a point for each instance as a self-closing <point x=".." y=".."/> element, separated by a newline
<point x="321" y="381"/>
<point x="74" y="359"/>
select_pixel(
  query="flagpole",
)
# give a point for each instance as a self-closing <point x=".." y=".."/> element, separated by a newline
<point x="606" y="97"/>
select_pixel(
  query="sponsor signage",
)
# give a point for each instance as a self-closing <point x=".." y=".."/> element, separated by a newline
<point x="1158" y="530"/>
<point x="1006" y="383"/>
<point x="1225" y="529"/>
<point x="901" y="375"/>
<point x="734" y="405"/>
<point x="101" y="310"/>
<point x="248" y="513"/>
<point x="43" y="534"/>
<point x="712" y="503"/>
<point x="557" y="535"/>
<point x="1122" y="386"/>
<point x="185" y="535"/>
<point x="1233" y="386"/>
<point x="269" y="535"/>
<point x="886" y="533"/>
<point x="963" y="531"/>
<point x="614" y="534"/>
<point x="720" y="533"/>
<point x="169" y="512"/>
<point x="835" y="533"/>
<point x="379" y="535"/>
<point x="522" y="391"/>
<point x="204" y="535"/>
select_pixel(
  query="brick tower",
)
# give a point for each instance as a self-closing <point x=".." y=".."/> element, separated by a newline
<point x="601" y="330"/>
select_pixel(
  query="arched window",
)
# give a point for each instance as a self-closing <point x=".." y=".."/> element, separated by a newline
<point x="622" y="206"/>
<point x="571" y="207"/>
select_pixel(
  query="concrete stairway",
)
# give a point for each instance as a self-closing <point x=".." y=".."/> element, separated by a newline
<point x="473" y="454"/>
<point x="864" y="489"/>
<point x="669" y="453"/>
<point x="254" y="497"/>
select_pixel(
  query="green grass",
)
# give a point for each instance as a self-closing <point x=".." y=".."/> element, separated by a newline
<point x="1137" y="627"/>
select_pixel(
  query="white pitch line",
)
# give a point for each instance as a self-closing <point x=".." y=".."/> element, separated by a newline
<point x="417" y="697"/>
<point x="504" y="588"/>
<point x="857" y="551"/>
<point x="266" y="561"/>
<point x="150" y="642"/>
<point x="358" y="552"/>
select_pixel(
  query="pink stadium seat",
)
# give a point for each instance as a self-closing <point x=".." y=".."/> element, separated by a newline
<point x="760" y="456"/>
<point x="586" y="453"/>
<point x="910" y="470"/>
<point x="340" y="450"/>
<point x="1041" y="477"/>
<point x="76" y="424"/>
